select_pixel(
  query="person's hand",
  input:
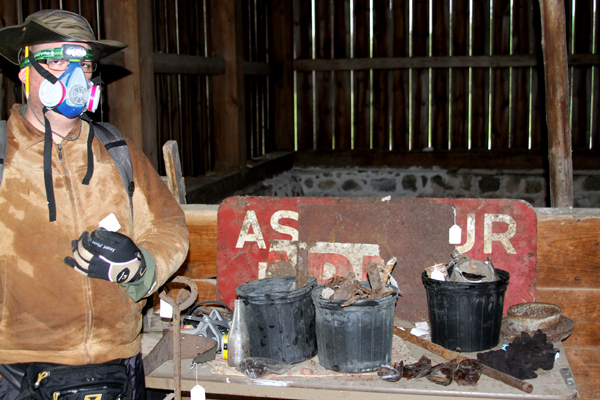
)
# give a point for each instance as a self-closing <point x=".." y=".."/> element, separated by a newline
<point x="107" y="255"/>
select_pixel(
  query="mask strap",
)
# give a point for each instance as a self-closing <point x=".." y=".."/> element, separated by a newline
<point x="45" y="74"/>
<point x="90" y="154"/>
<point x="48" y="168"/>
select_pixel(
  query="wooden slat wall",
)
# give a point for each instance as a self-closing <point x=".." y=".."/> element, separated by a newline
<point x="568" y="256"/>
<point x="469" y="106"/>
<point x="183" y="108"/>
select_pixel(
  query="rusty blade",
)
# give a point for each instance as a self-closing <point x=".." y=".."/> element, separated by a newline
<point x="191" y="347"/>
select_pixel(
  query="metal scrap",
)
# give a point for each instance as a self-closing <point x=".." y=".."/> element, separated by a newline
<point x="349" y="289"/>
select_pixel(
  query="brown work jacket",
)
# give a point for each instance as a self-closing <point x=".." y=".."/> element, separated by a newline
<point x="48" y="311"/>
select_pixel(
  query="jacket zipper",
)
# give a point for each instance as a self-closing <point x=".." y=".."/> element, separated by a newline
<point x="59" y="152"/>
<point x="89" y="330"/>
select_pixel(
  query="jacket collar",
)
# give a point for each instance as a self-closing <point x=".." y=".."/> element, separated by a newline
<point x="27" y="135"/>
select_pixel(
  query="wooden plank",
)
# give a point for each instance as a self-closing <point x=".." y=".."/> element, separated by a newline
<point x="123" y="95"/>
<point x="595" y="126"/>
<point x="165" y="63"/>
<point x="568" y="251"/>
<point x="521" y="86"/>
<point x="581" y="305"/>
<point x="581" y="77"/>
<point x="342" y="128"/>
<point x="382" y="80"/>
<point x="459" y="95"/>
<point x="480" y="81"/>
<point x="440" y="105"/>
<point x="175" y="180"/>
<point x="586" y="369"/>
<point x="201" y="261"/>
<point x="323" y="79"/>
<point x="227" y="92"/>
<point x="557" y="106"/>
<point x="538" y="125"/>
<point x="283" y="77"/>
<point x="304" y="80"/>
<point x="483" y="61"/>
<point x="500" y="107"/>
<point x="202" y="143"/>
<point x="187" y="115"/>
<point x="420" y="76"/>
<point x="401" y="78"/>
<point x="361" y="79"/>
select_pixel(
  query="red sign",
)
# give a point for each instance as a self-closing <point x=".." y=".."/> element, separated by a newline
<point x="258" y="237"/>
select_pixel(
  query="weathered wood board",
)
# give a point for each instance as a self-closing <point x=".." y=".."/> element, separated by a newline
<point x="258" y="237"/>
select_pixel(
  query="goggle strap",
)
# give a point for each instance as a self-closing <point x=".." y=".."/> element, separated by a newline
<point x="45" y="74"/>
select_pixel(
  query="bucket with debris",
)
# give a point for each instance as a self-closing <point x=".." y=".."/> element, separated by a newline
<point x="355" y="335"/>
<point x="280" y="318"/>
<point x="465" y="306"/>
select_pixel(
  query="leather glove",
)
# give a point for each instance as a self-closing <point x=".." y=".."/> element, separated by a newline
<point x="107" y="255"/>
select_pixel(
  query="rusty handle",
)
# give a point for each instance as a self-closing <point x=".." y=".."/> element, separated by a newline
<point x="449" y="355"/>
<point x="177" y="327"/>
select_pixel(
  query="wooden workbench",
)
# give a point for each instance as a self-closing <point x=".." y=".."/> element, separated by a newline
<point x="549" y="385"/>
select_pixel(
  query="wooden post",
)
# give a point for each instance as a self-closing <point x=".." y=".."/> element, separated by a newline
<point x="228" y="88"/>
<point x="557" y="102"/>
<point x="131" y="99"/>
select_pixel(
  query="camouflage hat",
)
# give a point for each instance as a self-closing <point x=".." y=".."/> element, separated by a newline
<point x="47" y="26"/>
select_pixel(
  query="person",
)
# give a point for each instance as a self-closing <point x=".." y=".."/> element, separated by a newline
<point x="73" y="283"/>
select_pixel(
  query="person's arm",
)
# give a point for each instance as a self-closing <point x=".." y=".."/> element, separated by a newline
<point x="159" y="222"/>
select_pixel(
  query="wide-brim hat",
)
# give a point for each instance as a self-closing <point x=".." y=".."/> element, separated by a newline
<point x="48" y="26"/>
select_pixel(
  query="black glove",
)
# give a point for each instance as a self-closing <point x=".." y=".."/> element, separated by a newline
<point x="107" y="255"/>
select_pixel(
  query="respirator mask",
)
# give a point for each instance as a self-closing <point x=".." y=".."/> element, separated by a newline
<point x="71" y="94"/>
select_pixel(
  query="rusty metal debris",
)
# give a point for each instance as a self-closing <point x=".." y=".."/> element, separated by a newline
<point x="349" y="289"/>
<point x="449" y="355"/>
<point x="462" y="269"/>
<point x="465" y="372"/>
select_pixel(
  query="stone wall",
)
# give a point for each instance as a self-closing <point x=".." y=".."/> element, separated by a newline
<point x="528" y="185"/>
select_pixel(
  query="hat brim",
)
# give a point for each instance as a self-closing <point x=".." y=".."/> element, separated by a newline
<point x="14" y="38"/>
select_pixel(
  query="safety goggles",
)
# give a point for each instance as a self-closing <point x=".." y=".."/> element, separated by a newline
<point x="59" y="58"/>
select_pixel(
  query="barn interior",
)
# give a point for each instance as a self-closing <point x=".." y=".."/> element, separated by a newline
<point x="367" y="98"/>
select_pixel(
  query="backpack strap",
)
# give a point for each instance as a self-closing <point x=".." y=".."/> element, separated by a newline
<point x="3" y="140"/>
<point x="115" y="143"/>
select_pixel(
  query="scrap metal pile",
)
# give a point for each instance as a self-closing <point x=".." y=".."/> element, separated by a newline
<point x="349" y="289"/>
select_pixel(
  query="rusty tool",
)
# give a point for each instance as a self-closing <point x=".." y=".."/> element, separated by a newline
<point x="177" y="307"/>
<point x="449" y="355"/>
<point x="200" y="347"/>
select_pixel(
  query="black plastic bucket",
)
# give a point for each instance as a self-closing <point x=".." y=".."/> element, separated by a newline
<point x="356" y="338"/>
<point x="466" y="316"/>
<point x="280" y="320"/>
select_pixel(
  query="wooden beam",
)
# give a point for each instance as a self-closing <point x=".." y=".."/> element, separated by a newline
<point x="131" y="98"/>
<point x="183" y="64"/>
<point x="392" y="63"/>
<point x="557" y="102"/>
<point x="346" y="64"/>
<point x="228" y="88"/>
